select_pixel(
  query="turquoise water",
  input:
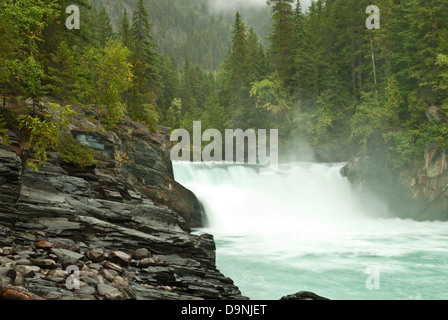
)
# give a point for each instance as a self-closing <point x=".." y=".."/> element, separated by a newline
<point x="304" y="229"/>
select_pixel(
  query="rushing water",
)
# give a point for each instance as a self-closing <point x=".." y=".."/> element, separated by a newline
<point x="305" y="229"/>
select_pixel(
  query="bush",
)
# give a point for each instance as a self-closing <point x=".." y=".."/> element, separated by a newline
<point x="73" y="152"/>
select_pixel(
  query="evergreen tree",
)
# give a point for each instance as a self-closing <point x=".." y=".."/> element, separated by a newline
<point x="281" y="50"/>
<point x="146" y="81"/>
<point x="125" y="30"/>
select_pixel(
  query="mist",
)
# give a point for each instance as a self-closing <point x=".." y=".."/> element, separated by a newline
<point x="229" y="6"/>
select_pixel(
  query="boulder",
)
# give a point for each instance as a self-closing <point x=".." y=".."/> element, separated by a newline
<point x="140" y="254"/>
<point x="96" y="255"/>
<point x="303" y="295"/>
<point x="120" y="258"/>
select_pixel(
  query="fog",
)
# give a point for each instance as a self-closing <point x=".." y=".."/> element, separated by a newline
<point x="232" y="5"/>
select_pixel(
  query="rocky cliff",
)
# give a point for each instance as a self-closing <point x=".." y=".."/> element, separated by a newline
<point x="124" y="223"/>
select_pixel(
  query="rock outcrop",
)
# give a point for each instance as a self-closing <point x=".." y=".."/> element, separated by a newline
<point x="124" y="223"/>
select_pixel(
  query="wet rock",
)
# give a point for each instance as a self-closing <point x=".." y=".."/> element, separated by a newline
<point x="87" y="290"/>
<point x="303" y="295"/>
<point x="140" y="254"/>
<point x="120" y="282"/>
<point x="96" y="255"/>
<point x="113" y="266"/>
<point x="8" y="251"/>
<point x="64" y="254"/>
<point x="146" y="262"/>
<point x="109" y="292"/>
<point x="9" y="273"/>
<point x="108" y="274"/>
<point x="44" y="263"/>
<point x="44" y="245"/>
<point x="120" y="258"/>
<point x="72" y="262"/>
<point x="29" y="273"/>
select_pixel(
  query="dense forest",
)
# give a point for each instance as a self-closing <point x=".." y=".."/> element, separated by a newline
<point x="317" y="73"/>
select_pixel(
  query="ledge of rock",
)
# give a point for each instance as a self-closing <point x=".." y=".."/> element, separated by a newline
<point x="124" y="224"/>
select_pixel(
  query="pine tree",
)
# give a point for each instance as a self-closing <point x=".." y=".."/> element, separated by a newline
<point x="103" y="31"/>
<point x="125" y="30"/>
<point x="281" y="48"/>
<point x="63" y="74"/>
<point x="146" y="81"/>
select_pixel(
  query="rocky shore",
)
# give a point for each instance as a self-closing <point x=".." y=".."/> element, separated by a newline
<point x="124" y="223"/>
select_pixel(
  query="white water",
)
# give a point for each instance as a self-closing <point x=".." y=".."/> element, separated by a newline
<point x="304" y="229"/>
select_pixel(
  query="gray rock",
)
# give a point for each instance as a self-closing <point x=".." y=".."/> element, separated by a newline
<point x="64" y="254"/>
<point x="304" y="295"/>
<point x="87" y="290"/>
<point x="120" y="258"/>
<point x="146" y="262"/>
<point x="8" y="272"/>
<point x="109" y="292"/>
<point x="44" y="263"/>
<point x="96" y="255"/>
<point x="140" y="254"/>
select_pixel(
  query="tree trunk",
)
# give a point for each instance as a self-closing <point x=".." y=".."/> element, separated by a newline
<point x="373" y="63"/>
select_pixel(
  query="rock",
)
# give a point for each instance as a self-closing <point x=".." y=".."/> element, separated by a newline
<point x="9" y="273"/>
<point x="120" y="282"/>
<point x="9" y="292"/>
<point x="108" y="274"/>
<point x="303" y="295"/>
<point x="44" y="244"/>
<point x="8" y="251"/>
<point x="6" y="262"/>
<point x="96" y="255"/>
<point x="10" y="186"/>
<point x="20" y="279"/>
<point x="113" y="266"/>
<point x="435" y="113"/>
<point x="64" y="254"/>
<point x="44" y="263"/>
<point x="72" y="262"/>
<point x="29" y="273"/>
<point x="146" y="262"/>
<point x="120" y="258"/>
<point x="87" y="290"/>
<point x="140" y="254"/>
<point x="109" y="292"/>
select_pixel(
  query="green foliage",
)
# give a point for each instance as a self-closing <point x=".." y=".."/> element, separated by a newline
<point x="47" y="133"/>
<point x="270" y="95"/>
<point x="371" y="116"/>
<point x="325" y="117"/>
<point x="3" y="130"/>
<point x="173" y="114"/>
<point x="112" y="76"/>
<point x="72" y="152"/>
<point x="149" y="117"/>
<point x="405" y="149"/>
<point x="42" y="136"/>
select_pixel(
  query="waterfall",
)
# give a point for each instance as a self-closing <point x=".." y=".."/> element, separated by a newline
<point x="306" y="229"/>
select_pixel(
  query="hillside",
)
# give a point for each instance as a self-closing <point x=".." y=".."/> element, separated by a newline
<point x="193" y="29"/>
